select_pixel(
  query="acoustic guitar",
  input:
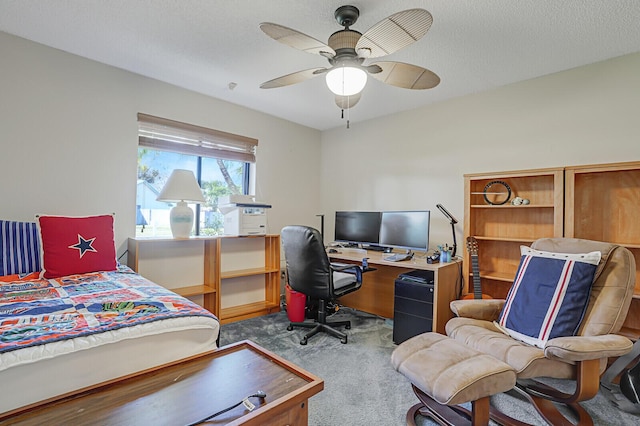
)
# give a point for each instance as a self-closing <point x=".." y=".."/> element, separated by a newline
<point x="472" y="246"/>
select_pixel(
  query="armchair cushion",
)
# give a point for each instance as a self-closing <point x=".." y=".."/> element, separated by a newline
<point x="481" y="309"/>
<point x="549" y="295"/>
<point x="582" y="348"/>
<point x="528" y="361"/>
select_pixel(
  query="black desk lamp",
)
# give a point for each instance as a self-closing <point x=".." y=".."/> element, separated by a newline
<point x="453" y="221"/>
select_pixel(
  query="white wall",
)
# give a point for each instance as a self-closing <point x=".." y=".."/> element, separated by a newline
<point x="417" y="159"/>
<point x="68" y="139"/>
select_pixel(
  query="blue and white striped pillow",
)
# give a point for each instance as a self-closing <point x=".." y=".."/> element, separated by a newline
<point x="549" y="295"/>
<point x="19" y="248"/>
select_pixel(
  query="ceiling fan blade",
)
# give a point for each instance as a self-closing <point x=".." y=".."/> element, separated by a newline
<point x="346" y="102"/>
<point x="293" y="78"/>
<point x="407" y="76"/>
<point x="296" y="39"/>
<point x="394" y="33"/>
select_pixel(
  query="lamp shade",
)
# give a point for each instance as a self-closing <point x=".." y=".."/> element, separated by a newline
<point x="346" y="81"/>
<point x="181" y="186"/>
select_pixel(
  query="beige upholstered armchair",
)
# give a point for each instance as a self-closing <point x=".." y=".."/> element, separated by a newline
<point x="582" y="357"/>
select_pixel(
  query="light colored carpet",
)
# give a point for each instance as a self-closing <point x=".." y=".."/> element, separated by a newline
<point x="361" y="386"/>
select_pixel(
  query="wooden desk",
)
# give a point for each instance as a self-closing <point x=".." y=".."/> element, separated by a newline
<point x="376" y="294"/>
<point x="187" y="391"/>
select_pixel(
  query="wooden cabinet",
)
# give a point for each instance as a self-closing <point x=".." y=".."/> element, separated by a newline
<point x="233" y="277"/>
<point x="500" y="230"/>
<point x="603" y="203"/>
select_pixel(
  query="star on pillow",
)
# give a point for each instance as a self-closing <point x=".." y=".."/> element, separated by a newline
<point x="84" y="245"/>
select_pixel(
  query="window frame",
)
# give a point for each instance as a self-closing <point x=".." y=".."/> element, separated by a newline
<point x="162" y="134"/>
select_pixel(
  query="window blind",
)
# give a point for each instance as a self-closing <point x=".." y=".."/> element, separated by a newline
<point x="169" y="135"/>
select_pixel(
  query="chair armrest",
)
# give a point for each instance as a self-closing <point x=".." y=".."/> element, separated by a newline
<point x="480" y="309"/>
<point x="348" y="269"/>
<point x="582" y="348"/>
<point x="343" y="268"/>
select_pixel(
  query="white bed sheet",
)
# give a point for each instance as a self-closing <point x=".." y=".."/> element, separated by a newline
<point x="38" y="373"/>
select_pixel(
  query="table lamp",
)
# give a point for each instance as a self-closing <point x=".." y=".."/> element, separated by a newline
<point x="181" y="188"/>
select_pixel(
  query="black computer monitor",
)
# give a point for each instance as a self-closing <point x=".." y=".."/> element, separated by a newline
<point x="405" y="229"/>
<point x="357" y="227"/>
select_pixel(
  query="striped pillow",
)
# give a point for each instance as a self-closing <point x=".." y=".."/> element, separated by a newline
<point x="549" y="295"/>
<point x="19" y="248"/>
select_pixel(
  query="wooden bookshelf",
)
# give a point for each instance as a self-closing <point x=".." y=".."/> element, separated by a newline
<point x="235" y="278"/>
<point x="501" y="229"/>
<point x="602" y="203"/>
<point x="595" y="202"/>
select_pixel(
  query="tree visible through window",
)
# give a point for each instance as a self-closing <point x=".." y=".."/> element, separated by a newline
<point x="217" y="175"/>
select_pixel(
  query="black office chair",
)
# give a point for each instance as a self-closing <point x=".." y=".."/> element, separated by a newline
<point x="310" y="273"/>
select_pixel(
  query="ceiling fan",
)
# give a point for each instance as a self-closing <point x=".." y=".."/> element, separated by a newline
<point x="347" y="50"/>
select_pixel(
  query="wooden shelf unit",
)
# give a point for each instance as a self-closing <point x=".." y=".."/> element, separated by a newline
<point x="596" y="202"/>
<point x="603" y="203"/>
<point x="501" y="229"/>
<point x="233" y="277"/>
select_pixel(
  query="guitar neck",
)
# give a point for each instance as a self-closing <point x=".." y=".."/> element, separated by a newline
<point x="477" y="289"/>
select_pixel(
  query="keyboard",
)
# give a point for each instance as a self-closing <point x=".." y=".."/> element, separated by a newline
<point x="398" y="257"/>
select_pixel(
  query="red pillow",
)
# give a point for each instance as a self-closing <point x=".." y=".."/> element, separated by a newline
<point x="76" y="245"/>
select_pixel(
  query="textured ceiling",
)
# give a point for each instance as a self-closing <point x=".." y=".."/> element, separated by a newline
<point x="203" y="45"/>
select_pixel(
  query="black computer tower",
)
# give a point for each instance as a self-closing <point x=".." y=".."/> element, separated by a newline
<point x="412" y="305"/>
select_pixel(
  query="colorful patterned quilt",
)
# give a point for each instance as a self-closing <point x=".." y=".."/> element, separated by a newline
<point x="36" y="311"/>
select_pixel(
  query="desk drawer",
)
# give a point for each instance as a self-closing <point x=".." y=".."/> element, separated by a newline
<point x="413" y="307"/>
<point x="413" y="290"/>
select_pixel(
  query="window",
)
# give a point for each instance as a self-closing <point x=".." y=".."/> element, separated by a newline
<point x="220" y="161"/>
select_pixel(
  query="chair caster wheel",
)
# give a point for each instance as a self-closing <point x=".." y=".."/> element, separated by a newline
<point x="303" y="341"/>
<point x="289" y="328"/>
<point x="343" y="340"/>
<point x="347" y="327"/>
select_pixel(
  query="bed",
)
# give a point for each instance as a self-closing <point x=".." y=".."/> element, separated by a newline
<point x="61" y="333"/>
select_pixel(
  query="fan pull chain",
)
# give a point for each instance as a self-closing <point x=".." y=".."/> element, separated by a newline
<point x="342" y="116"/>
<point x="348" y="110"/>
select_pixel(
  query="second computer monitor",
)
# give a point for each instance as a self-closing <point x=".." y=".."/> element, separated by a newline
<point x="405" y="229"/>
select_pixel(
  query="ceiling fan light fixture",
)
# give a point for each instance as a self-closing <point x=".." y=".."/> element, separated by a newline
<point x="346" y="80"/>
